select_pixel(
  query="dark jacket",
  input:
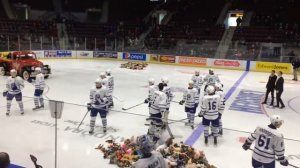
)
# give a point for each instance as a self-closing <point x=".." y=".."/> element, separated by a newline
<point x="296" y="64"/>
<point x="271" y="82"/>
<point x="279" y="84"/>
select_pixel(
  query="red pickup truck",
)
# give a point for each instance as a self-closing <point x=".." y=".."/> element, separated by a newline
<point x="24" y="62"/>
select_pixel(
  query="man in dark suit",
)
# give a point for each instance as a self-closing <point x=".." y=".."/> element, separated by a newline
<point x="270" y="87"/>
<point x="279" y="90"/>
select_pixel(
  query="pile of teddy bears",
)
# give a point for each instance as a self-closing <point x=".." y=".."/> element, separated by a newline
<point x="134" y="65"/>
<point x="177" y="155"/>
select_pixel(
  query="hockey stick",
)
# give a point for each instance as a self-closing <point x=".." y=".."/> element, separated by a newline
<point x="278" y="161"/>
<point x="83" y="119"/>
<point x="132" y="106"/>
<point x="174" y="101"/>
<point x="169" y="131"/>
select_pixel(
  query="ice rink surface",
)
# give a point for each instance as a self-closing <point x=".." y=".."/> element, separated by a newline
<point x="71" y="81"/>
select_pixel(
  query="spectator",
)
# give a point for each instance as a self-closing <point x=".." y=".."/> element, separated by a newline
<point x="296" y="65"/>
<point x="239" y="21"/>
<point x="270" y="88"/>
<point x="4" y="160"/>
<point x="279" y="90"/>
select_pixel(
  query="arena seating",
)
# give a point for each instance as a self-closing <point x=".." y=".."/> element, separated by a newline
<point x="25" y="30"/>
<point x="273" y="21"/>
<point x="40" y="5"/>
<point x="189" y="22"/>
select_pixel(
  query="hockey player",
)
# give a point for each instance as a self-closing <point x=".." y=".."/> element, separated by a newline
<point x="158" y="106"/>
<point x="14" y="86"/>
<point x="198" y="81"/>
<point x="210" y="110"/>
<point x="211" y="79"/>
<point x="221" y="93"/>
<point x="98" y="104"/>
<point x="39" y="85"/>
<point x="149" y="157"/>
<point x="268" y="143"/>
<point x="105" y="83"/>
<point x="152" y="89"/>
<point x="191" y="100"/>
<point x="110" y="86"/>
<point x="170" y="96"/>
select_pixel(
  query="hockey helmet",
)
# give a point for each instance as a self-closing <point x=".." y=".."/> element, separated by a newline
<point x="276" y="120"/>
<point x="165" y="80"/>
<point x="210" y="89"/>
<point x="145" y="144"/>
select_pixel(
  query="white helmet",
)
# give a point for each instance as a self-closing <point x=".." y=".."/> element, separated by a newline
<point x="191" y="82"/>
<point x="219" y="86"/>
<point x="38" y="69"/>
<point x="151" y="80"/>
<point x="197" y="71"/>
<point x="98" y="81"/>
<point x="102" y="75"/>
<point x="210" y="89"/>
<point x="276" y="120"/>
<point x="13" y="71"/>
<point x="108" y="71"/>
<point x="165" y="80"/>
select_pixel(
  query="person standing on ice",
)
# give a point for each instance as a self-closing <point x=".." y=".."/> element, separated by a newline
<point x="110" y="86"/>
<point x="152" y="89"/>
<point x="268" y="144"/>
<point x="270" y="88"/>
<point x="39" y="85"/>
<point x="98" y="104"/>
<point x="191" y="101"/>
<point x="210" y="110"/>
<point x="105" y="83"/>
<point x="198" y="81"/>
<point x="167" y="90"/>
<point x="14" y="86"/>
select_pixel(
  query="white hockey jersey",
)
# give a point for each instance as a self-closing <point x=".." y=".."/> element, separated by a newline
<point x="110" y="83"/>
<point x="14" y="85"/>
<point x="198" y="81"/>
<point x="211" y="107"/>
<point x="211" y="79"/>
<point x="151" y="91"/>
<point x="191" y="97"/>
<point x="105" y="82"/>
<point x="170" y="95"/>
<point x="39" y="82"/>
<point x="158" y="102"/>
<point x="98" y="97"/>
<point x="222" y="99"/>
<point x="268" y="143"/>
<point x="155" y="161"/>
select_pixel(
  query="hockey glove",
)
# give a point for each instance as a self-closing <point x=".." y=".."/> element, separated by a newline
<point x="5" y="93"/>
<point x="284" y="162"/>
<point x="146" y="101"/>
<point x="246" y="145"/>
<point x="181" y="102"/>
<point x="89" y="106"/>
